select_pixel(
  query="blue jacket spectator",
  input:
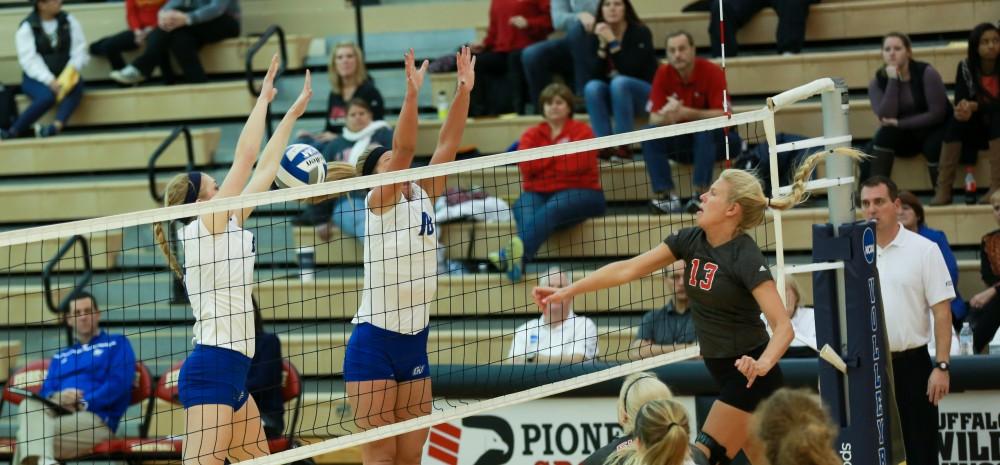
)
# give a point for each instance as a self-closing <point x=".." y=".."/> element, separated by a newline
<point x="574" y="18"/>
<point x="184" y="27"/>
<point x="92" y="379"/>
<point x="50" y="46"/>
<point x="912" y="218"/>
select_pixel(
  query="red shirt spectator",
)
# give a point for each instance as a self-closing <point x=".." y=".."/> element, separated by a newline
<point x="141" y="14"/>
<point x="502" y="36"/>
<point x="703" y="90"/>
<point x="575" y="171"/>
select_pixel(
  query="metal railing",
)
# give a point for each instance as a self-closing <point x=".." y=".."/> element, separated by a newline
<point x="160" y="150"/>
<point x="78" y="285"/>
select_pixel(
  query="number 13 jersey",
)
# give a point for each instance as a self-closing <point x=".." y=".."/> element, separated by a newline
<point x="719" y="281"/>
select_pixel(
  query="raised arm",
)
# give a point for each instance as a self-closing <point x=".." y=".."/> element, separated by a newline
<point x="270" y="159"/>
<point x="247" y="148"/>
<point x="404" y="140"/>
<point x="451" y="131"/>
<point x="610" y="275"/>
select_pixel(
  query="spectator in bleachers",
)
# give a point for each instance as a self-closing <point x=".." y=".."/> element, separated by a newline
<point x="803" y="321"/>
<point x="360" y="133"/>
<point x="349" y="80"/>
<point x="985" y="305"/>
<point x="558" y="192"/>
<point x="184" y="27"/>
<point x="791" y="32"/>
<point x="975" y="123"/>
<point x="622" y="63"/>
<point x="92" y="379"/>
<point x="911" y="215"/>
<point x="51" y="50"/>
<point x="911" y="106"/>
<point x="264" y="380"/>
<point x="141" y="16"/>
<point x="637" y="389"/>
<point x="669" y="328"/>
<point x="688" y="88"/>
<point x="513" y="25"/>
<point x="559" y="336"/>
<point x="795" y="429"/>
<point x="565" y="55"/>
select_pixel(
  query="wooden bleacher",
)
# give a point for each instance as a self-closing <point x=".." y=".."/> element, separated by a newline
<point x="10" y="357"/>
<point x="30" y="258"/>
<point x="227" y="56"/>
<point x="102" y="152"/>
<point x="159" y="104"/>
<point x="25" y="202"/>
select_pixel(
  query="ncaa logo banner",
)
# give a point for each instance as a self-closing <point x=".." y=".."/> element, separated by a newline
<point x="569" y="431"/>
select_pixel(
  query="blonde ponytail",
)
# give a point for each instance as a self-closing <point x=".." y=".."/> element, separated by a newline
<point x="338" y="171"/>
<point x="176" y="191"/>
<point x="746" y="190"/>
<point x="663" y="433"/>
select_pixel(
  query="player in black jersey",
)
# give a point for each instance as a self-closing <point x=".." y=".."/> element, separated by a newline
<point x="729" y="284"/>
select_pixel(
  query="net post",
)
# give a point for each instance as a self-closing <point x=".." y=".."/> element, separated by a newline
<point x="835" y="104"/>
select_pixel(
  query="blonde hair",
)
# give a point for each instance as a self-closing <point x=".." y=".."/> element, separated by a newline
<point x="360" y="72"/>
<point x="637" y="389"/>
<point x="745" y="188"/>
<point x="177" y="190"/>
<point x="793" y="285"/>
<point x="663" y="432"/>
<point x="338" y="171"/>
<point x="795" y="429"/>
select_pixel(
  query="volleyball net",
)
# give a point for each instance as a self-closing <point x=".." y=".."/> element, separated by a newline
<point x="309" y="279"/>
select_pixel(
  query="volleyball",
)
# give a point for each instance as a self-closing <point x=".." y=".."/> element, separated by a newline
<point x="301" y="165"/>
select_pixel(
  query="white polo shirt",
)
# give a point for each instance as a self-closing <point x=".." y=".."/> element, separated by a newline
<point x="574" y="335"/>
<point x="913" y="277"/>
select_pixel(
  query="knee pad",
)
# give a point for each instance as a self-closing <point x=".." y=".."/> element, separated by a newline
<point x="716" y="452"/>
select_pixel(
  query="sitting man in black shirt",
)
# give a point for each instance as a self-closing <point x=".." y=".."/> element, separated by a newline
<point x="669" y="328"/>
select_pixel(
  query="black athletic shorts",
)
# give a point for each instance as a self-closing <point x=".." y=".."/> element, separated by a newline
<point x="733" y="385"/>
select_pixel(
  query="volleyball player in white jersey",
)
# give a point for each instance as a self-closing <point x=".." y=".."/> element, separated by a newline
<point x="222" y="420"/>
<point x="386" y="368"/>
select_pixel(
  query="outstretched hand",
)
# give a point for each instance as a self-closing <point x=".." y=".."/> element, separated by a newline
<point x="414" y="76"/>
<point x="267" y="90"/>
<point x="466" y="64"/>
<point x="299" y="107"/>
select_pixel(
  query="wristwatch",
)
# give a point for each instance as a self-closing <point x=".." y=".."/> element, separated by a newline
<point x="943" y="366"/>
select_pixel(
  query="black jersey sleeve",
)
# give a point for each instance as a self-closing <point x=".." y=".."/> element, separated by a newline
<point x="751" y="264"/>
<point x="680" y="242"/>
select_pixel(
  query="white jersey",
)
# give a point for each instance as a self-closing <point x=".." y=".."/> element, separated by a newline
<point x="400" y="265"/>
<point x="218" y="273"/>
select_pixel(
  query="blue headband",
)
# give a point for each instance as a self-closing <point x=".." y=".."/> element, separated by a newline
<point x="194" y="187"/>
<point x="372" y="160"/>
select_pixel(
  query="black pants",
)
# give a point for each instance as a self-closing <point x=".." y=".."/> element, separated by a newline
<point x="917" y="415"/>
<point x="183" y="44"/>
<point x="500" y="84"/>
<point x="791" y="32"/>
<point x="984" y="322"/>
<point x="111" y="47"/>
<point x="891" y="142"/>
<point x="974" y="134"/>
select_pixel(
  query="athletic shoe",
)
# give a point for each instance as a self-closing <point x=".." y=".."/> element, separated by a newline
<point x="667" y="205"/>
<point x="46" y="130"/>
<point x="128" y="75"/>
<point x="508" y="259"/>
<point x="693" y="206"/>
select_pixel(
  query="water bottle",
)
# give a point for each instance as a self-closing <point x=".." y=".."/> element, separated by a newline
<point x="442" y="105"/>
<point x="965" y="340"/>
<point x="970" y="186"/>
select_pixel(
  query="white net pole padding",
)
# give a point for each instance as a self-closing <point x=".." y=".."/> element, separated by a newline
<point x="56" y="231"/>
<point x="414" y="424"/>
<point x="800" y="93"/>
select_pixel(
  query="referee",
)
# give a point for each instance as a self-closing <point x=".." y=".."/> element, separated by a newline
<point x="913" y="278"/>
